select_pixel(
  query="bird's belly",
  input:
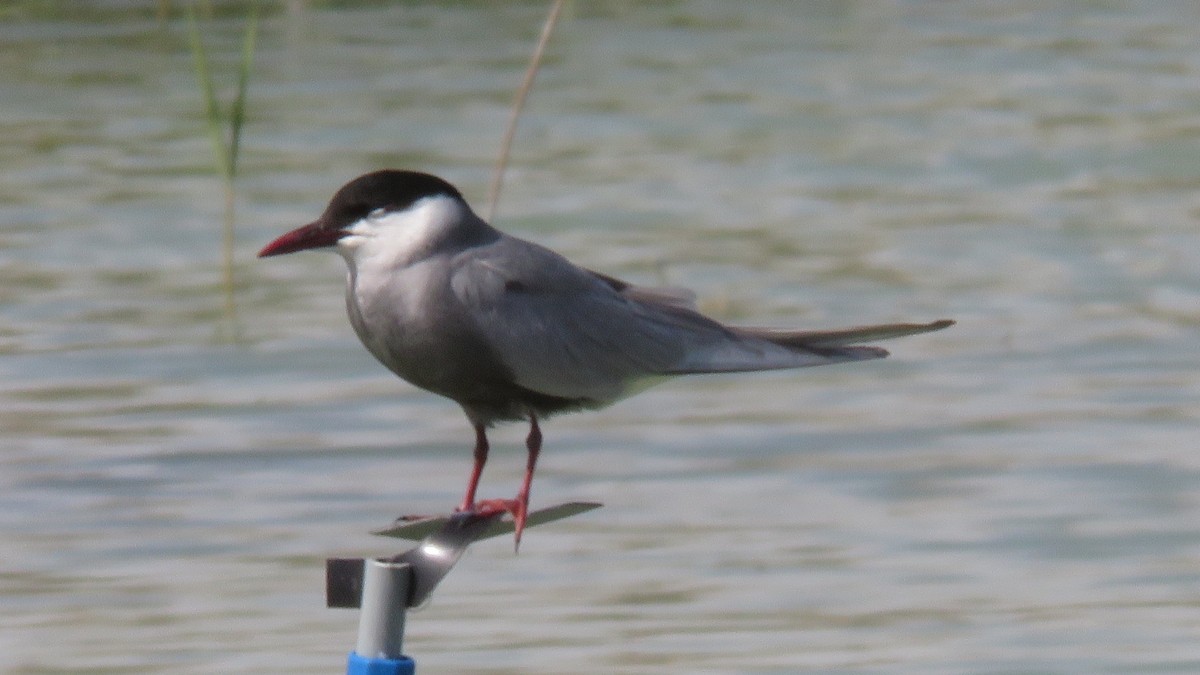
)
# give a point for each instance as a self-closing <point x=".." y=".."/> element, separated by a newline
<point x="404" y="344"/>
<point x="420" y="337"/>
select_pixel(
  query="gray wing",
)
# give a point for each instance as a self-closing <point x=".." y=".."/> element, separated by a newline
<point x="681" y="298"/>
<point x="564" y="331"/>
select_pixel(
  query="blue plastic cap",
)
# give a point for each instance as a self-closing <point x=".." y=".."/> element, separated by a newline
<point x="361" y="665"/>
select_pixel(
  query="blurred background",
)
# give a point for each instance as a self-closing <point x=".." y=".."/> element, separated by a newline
<point x="1020" y="493"/>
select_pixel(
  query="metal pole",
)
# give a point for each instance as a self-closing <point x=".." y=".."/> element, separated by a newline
<point x="385" y="588"/>
<point x="381" y="622"/>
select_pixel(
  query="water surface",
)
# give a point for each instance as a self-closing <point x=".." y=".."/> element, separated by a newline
<point x="1017" y="494"/>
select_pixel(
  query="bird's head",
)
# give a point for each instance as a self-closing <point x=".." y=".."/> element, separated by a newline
<point x="393" y="212"/>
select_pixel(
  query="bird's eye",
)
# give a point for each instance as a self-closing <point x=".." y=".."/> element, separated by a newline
<point x="376" y="214"/>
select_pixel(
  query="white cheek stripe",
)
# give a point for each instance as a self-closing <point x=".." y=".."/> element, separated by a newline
<point x="399" y="235"/>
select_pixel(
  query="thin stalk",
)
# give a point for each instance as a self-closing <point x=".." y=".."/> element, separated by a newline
<point x="237" y="115"/>
<point x="212" y="109"/>
<point x="227" y="278"/>
<point x="225" y="144"/>
<point x="515" y="114"/>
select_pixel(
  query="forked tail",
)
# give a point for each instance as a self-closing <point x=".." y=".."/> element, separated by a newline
<point x="773" y="348"/>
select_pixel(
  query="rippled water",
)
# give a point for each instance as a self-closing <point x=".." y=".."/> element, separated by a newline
<point x="1020" y="494"/>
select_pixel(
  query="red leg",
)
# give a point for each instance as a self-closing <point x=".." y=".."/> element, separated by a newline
<point x="481" y="455"/>
<point x="533" y="442"/>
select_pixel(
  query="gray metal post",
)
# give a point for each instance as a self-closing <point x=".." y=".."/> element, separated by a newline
<point x="384" y="604"/>
<point x="385" y="589"/>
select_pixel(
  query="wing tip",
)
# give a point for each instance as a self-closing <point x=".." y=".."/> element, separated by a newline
<point x="864" y="353"/>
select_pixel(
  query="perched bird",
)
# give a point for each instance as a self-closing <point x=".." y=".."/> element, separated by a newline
<point x="513" y="331"/>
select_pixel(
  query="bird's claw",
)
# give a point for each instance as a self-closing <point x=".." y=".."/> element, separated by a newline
<point x="517" y="508"/>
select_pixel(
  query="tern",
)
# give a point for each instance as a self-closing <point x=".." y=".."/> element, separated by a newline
<point x="513" y="331"/>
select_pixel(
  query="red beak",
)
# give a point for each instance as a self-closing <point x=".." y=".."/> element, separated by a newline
<point x="313" y="235"/>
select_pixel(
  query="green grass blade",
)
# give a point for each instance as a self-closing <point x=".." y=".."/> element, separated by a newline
<point x="237" y="115"/>
<point x="211" y="108"/>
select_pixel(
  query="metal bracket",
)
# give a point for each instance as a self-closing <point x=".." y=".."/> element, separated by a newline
<point x="443" y="541"/>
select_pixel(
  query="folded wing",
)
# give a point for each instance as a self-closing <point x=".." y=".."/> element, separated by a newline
<point x="564" y="331"/>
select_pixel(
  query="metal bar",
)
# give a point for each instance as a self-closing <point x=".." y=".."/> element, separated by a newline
<point x="384" y="605"/>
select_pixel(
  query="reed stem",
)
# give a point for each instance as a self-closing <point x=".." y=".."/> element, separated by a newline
<point x="518" y="105"/>
<point x="225" y="135"/>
